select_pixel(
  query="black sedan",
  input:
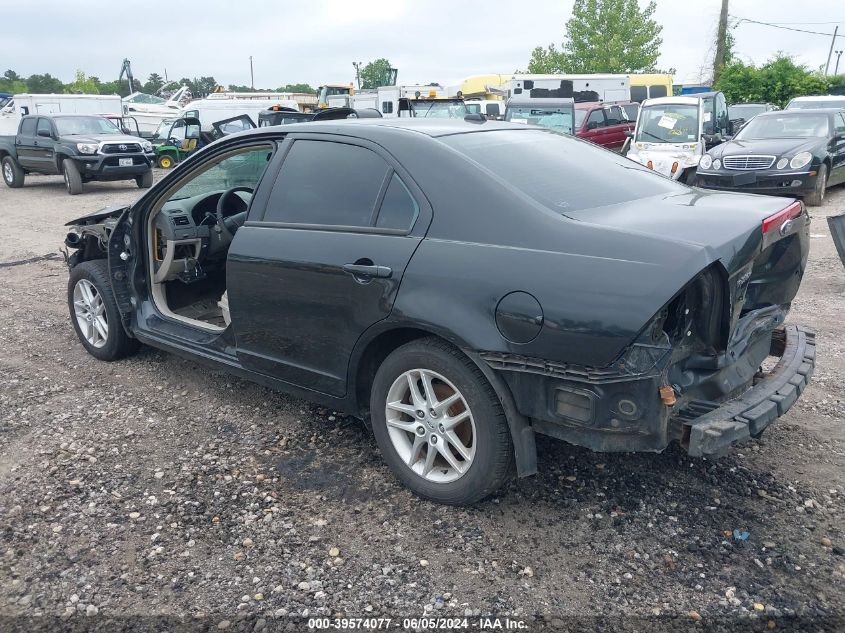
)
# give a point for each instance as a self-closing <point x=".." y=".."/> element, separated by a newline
<point x="791" y="152"/>
<point x="462" y="286"/>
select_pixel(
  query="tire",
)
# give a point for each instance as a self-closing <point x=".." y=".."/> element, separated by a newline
<point x="816" y="198"/>
<point x="89" y="296"/>
<point x="690" y="177"/>
<point x="13" y="175"/>
<point x="483" y="432"/>
<point x="145" y="180"/>
<point x="73" y="179"/>
<point x="166" y="161"/>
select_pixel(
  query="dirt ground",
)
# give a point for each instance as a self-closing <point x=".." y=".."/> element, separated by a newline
<point x="156" y="487"/>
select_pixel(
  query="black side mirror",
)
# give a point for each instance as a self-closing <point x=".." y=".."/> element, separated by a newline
<point x="629" y="133"/>
<point x="46" y="133"/>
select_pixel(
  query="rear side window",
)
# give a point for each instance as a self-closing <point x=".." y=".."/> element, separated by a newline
<point x="560" y="172"/>
<point x="398" y="209"/>
<point x="327" y="183"/>
<point x="615" y="116"/>
<point x="28" y="127"/>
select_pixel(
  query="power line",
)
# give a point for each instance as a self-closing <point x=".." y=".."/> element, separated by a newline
<point x="786" y="28"/>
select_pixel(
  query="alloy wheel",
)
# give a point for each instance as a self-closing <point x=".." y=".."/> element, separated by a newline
<point x="8" y="174"/>
<point x="90" y="313"/>
<point x="430" y="425"/>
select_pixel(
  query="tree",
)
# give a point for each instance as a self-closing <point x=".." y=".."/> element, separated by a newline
<point x="778" y="81"/>
<point x="11" y="75"/>
<point x="83" y="85"/>
<point x="154" y="83"/>
<point x="12" y="82"/>
<point x="298" y="88"/>
<point x="375" y="74"/>
<point x="604" y="36"/>
<point x="44" y="84"/>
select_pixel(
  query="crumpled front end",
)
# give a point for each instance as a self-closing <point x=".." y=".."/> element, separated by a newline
<point x="670" y="160"/>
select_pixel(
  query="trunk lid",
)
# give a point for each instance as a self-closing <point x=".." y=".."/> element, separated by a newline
<point x="762" y="269"/>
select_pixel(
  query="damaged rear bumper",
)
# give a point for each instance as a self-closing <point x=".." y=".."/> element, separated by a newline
<point x="709" y="428"/>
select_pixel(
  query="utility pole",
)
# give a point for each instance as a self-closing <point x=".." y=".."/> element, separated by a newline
<point x="838" y="55"/>
<point x="832" y="42"/>
<point x="721" y="42"/>
<point x="357" y="73"/>
<point x="251" y="75"/>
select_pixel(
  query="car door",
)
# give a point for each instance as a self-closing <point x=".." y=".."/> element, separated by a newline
<point x="837" y="173"/>
<point x="25" y="143"/>
<point x="617" y="125"/>
<point x="594" y="127"/>
<point x="324" y="261"/>
<point x="44" y="146"/>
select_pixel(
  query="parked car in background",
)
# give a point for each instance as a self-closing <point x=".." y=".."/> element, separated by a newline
<point x="813" y="103"/>
<point x="791" y="152"/>
<point x="747" y="111"/>
<point x="673" y="133"/>
<point x="491" y="108"/>
<point x="604" y="124"/>
<point x="81" y="148"/>
<point x="463" y="285"/>
<point x="555" y="114"/>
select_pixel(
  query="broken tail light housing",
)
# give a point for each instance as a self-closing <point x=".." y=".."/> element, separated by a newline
<point x="777" y="220"/>
<point x="779" y="224"/>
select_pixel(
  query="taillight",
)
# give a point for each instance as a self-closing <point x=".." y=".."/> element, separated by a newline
<point x="777" y="220"/>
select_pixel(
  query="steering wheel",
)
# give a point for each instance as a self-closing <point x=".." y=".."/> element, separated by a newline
<point x="228" y="229"/>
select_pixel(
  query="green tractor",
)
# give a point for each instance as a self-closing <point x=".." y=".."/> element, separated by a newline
<point x="175" y="140"/>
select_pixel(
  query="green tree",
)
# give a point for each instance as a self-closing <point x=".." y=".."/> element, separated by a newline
<point x="297" y="88"/>
<point x="375" y="74"/>
<point x="777" y="81"/>
<point x="44" y="84"/>
<point x="12" y="82"/>
<point x="154" y="83"/>
<point x="604" y="36"/>
<point x="83" y="84"/>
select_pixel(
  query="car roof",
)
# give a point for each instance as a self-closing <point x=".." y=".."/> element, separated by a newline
<point x="679" y="100"/>
<point x="358" y="127"/>
<point x="797" y="112"/>
<point x="819" y="98"/>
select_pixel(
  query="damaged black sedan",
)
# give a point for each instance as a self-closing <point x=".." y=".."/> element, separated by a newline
<point x="461" y="286"/>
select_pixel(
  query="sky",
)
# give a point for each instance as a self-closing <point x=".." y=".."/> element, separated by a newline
<point x="316" y="41"/>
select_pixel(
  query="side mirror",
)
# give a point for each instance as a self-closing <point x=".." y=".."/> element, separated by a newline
<point x="629" y="133"/>
<point x="709" y="139"/>
<point x="46" y="133"/>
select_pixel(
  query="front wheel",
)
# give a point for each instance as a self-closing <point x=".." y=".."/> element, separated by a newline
<point x="816" y="198"/>
<point x="13" y="175"/>
<point x="439" y="423"/>
<point x="145" y="181"/>
<point x="94" y="312"/>
<point x="73" y="179"/>
<point x="166" y="161"/>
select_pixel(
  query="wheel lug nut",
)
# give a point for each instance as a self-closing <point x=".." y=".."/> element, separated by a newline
<point x="434" y="439"/>
<point x="441" y="428"/>
<point x="420" y="430"/>
<point x="420" y="414"/>
<point x="433" y="413"/>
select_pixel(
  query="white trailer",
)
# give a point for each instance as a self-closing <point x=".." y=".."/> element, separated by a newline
<point x="581" y="88"/>
<point x="419" y="100"/>
<point x="214" y="108"/>
<point x="23" y="104"/>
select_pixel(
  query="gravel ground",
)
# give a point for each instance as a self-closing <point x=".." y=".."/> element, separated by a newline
<point x="156" y="487"/>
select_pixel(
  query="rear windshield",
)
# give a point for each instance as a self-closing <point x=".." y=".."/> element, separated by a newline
<point x="560" y="172"/>
<point x="815" y="104"/>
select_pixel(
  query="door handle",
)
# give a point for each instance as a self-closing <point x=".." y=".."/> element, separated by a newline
<point x="363" y="270"/>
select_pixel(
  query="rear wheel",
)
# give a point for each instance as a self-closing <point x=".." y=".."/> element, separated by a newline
<point x="145" y="181"/>
<point x="816" y="198"/>
<point x="94" y="312"/>
<point x="439" y="423"/>
<point x="13" y="175"/>
<point x="73" y="179"/>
